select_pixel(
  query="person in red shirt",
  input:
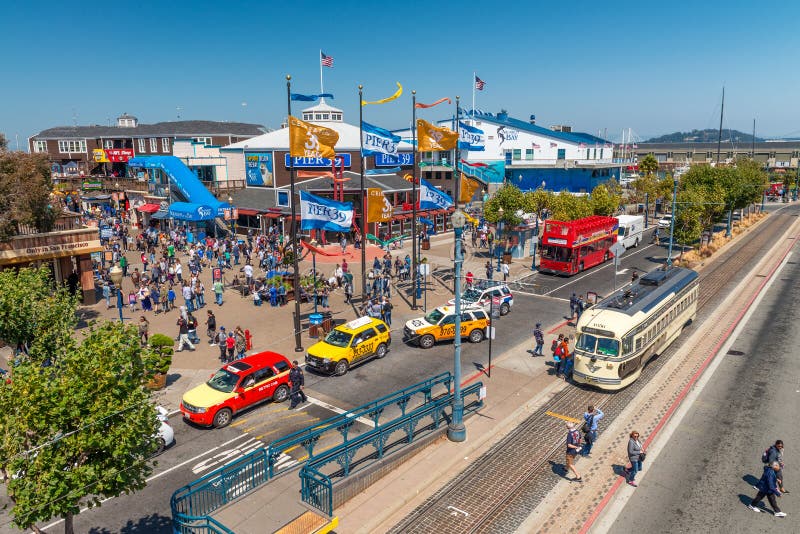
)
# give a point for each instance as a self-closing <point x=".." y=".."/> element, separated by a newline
<point x="469" y="278"/>
<point x="230" y="345"/>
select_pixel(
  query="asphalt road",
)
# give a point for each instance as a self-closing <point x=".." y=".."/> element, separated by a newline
<point x="703" y="476"/>
<point x="199" y="451"/>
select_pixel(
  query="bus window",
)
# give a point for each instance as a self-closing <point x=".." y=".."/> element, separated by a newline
<point x="586" y="343"/>
<point x="556" y="253"/>
<point x="607" y="347"/>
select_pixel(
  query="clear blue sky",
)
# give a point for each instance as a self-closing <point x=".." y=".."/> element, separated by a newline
<point x="594" y="65"/>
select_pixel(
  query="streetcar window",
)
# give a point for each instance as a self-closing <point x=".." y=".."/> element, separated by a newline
<point x="638" y="343"/>
<point x="607" y="347"/>
<point x="586" y="343"/>
<point x="627" y="345"/>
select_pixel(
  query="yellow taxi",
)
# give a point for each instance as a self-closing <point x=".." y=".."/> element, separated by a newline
<point x="440" y="324"/>
<point x="350" y="344"/>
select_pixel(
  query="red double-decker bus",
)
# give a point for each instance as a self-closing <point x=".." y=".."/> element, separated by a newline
<point x="569" y="247"/>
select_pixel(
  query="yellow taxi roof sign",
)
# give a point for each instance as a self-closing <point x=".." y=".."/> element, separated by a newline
<point x="358" y="323"/>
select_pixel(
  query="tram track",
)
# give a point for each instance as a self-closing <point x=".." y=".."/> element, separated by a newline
<point x="498" y="491"/>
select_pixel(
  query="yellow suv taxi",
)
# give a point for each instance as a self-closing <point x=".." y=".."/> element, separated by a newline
<point x="440" y="324"/>
<point x="350" y="344"/>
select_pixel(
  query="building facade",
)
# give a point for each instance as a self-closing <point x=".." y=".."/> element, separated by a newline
<point x="772" y="154"/>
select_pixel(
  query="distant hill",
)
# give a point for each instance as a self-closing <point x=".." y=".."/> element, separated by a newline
<point x="705" y="136"/>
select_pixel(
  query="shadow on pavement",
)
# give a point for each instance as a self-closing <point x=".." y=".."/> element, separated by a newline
<point x="151" y="524"/>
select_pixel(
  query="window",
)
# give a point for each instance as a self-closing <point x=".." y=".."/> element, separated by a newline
<point x="153" y="144"/>
<point x="308" y="116"/>
<point x="142" y="145"/>
<point x="508" y="157"/>
<point x="318" y="116"/>
<point x="203" y="140"/>
<point x="516" y="154"/>
<point x="108" y="144"/>
<point x="479" y="314"/>
<point x="67" y="146"/>
<point x="528" y="153"/>
<point x="381" y="328"/>
<point x="263" y="374"/>
<point x="40" y="146"/>
<point x="326" y="116"/>
<point x="165" y="144"/>
<point x="281" y="366"/>
<point x="601" y="153"/>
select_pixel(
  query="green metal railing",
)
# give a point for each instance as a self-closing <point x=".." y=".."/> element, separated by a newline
<point x="316" y="490"/>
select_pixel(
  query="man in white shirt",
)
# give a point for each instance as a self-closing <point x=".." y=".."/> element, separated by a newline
<point x="248" y="274"/>
<point x="504" y="270"/>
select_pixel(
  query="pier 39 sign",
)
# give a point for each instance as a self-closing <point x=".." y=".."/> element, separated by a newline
<point x="310" y="163"/>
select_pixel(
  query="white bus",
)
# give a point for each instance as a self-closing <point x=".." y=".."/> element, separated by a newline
<point x="618" y="335"/>
<point x="630" y="230"/>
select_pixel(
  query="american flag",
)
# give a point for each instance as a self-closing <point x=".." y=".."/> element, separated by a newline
<point x="553" y="145"/>
<point x="582" y="145"/>
<point x="534" y="145"/>
<point x="327" y="61"/>
<point x="479" y="84"/>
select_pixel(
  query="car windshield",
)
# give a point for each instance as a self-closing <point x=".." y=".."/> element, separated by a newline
<point x="471" y="295"/>
<point x="337" y="338"/>
<point x="223" y="380"/>
<point x="600" y="345"/>
<point x="434" y="317"/>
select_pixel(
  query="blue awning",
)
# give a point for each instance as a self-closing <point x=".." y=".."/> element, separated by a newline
<point x="188" y="211"/>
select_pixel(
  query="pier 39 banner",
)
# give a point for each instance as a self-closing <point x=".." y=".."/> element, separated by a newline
<point x="317" y="213"/>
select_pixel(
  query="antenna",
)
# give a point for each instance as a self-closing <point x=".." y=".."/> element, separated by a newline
<point x="178" y="111"/>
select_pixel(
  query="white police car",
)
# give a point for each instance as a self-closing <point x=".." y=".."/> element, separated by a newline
<point x="482" y="295"/>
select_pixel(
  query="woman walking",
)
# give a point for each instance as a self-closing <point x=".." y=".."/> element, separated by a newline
<point x="144" y="330"/>
<point x="635" y="455"/>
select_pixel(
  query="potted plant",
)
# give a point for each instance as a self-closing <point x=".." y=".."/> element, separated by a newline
<point x="158" y="360"/>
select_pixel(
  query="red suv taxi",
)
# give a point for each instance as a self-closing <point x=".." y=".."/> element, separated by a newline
<point x="238" y="385"/>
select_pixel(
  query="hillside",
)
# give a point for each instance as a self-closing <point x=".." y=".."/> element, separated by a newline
<point x="705" y="136"/>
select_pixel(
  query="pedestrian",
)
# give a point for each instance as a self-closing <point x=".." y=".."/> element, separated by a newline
<point x="636" y="456"/>
<point x="222" y="338"/>
<point x="348" y="292"/>
<point x="132" y="301"/>
<point x="655" y="236"/>
<point x="504" y="270"/>
<point x="768" y="487"/>
<point x="469" y="279"/>
<point x="775" y="454"/>
<point x="211" y="328"/>
<point x="538" y="337"/>
<point x="230" y="346"/>
<point x="144" y="329"/>
<point x="191" y="322"/>
<point x="573" y="448"/>
<point x="634" y="276"/>
<point x="219" y="288"/>
<point x="555" y="348"/>
<point x="386" y="311"/>
<point x="579" y="307"/>
<point x="241" y="342"/>
<point x="573" y="303"/>
<point x="297" y="381"/>
<point x="568" y="357"/>
<point x="171" y="298"/>
<point x="183" y="334"/>
<point x="489" y="270"/>
<point x="590" y="418"/>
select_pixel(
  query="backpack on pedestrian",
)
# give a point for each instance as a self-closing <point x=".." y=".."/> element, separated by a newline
<point x="765" y="455"/>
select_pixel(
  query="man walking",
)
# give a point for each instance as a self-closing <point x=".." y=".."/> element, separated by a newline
<point x="775" y="454"/>
<point x="297" y="381"/>
<point x="211" y="326"/>
<point x="183" y="334"/>
<point x="573" y="303"/>
<point x="538" y="337"/>
<point x="219" y="287"/>
<point x="504" y="270"/>
<point x="590" y="418"/>
<point x="573" y="448"/>
<point x="489" y="270"/>
<point x="768" y="487"/>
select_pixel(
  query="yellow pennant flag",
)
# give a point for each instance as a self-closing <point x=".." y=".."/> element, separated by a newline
<point x="430" y="137"/>
<point x="467" y="188"/>
<point x="395" y="96"/>
<point x="379" y="209"/>
<point x="311" y="141"/>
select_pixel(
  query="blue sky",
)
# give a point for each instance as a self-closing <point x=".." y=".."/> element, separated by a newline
<point x="598" y="66"/>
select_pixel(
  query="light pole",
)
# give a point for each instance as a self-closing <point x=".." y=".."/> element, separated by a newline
<point x="457" y="431"/>
<point x="116" y="277"/>
<point x="498" y="242"/>
<point x="535" y="238"/>
<point x="230" y="208"/>
<point x="314" y="270"/>
<point x="116" y="190"/>
<point x="672" y="221"/>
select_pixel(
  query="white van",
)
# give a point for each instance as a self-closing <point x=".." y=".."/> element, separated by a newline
<point x="630" y="230"/>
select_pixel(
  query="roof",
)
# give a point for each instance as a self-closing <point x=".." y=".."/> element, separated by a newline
<point x="159" y="129"/>
<point x="358" y="324"/>
<point x="261" y="199"/>
<point x="504" y="119"/>
<point x="323" y="106"/>
<point x="388" y="183"/>
<point x="647" y="292"/>
<point x="726" y="146"/>
<point x="349" y="138"/>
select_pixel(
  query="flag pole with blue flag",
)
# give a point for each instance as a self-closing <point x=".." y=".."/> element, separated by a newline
<point x="362" y="205"/>
<point x="414" y="275"/>
<point x="456" y="176"/>
<point x="298" y="345"/>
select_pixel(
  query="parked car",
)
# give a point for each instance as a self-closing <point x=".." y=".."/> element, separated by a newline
<point x="481" y="296"/>
<point x="350" y="344"/>
<point x="166" y="435"/>
<point x="665" y="222"/>
<point x="440" y="324"/>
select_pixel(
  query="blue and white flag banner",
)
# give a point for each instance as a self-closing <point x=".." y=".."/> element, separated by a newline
<point x="470" y="138"/>
<point x="432" y="198"/>
<point x="324" y="214"/>
<point x="375" y="140"/>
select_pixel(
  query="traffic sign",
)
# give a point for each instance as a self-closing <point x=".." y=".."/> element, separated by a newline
<point x="617" y="249"/>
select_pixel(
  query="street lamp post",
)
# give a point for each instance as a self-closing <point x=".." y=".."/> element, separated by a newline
<point x="116" y="278"/>
<point x="499" y="240"/>
<point x="535" y="238"/>
<point x="672" y="221"/>
<point x="116" y="190"/>
<point x="456" y="431"/>
<point x="230" y="208"/>
<point x="314" y="270"/>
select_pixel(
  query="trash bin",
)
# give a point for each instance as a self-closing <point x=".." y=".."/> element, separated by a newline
<point x="314" y="321"/>
<point x="327" y="321"/>
<point x="426" y="244"/>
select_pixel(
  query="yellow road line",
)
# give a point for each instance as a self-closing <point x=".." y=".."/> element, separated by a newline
<point x="264" y="423"/>
<point x="239" y="422"/>
<point x="267" y="434"/>
<point x="564" y="417"/>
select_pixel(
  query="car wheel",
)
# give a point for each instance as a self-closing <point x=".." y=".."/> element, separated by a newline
<point x="281" y="394"/>
<point x="426" y="341"/>
<point x="605" y="257"/>
<point x="223" y="418"/>
<point x="636" y="243"/>
<point x="161" y="446"/>
<point x="476" y="336"/>
<point x="504" y="308"/>
<point x="380" y="352"/>
<point x="341" y="367"/>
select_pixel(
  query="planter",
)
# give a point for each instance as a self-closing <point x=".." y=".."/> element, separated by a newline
<point x="158" y="382"/>
<point x="426" y="244"/>
<point x="507" y="258"/>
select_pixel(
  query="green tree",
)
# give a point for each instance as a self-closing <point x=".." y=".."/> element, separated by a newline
<point x="648" y="165"/>
<point x="537" y="201"/>
<point x="25" y="187"/>
<point x="86" y="426"/>
<point x="688" y="226"/>
<point x="604" y="201"/>
<point x="568" y="207"/>
<point x="3" y="142"/>
<point x="511" y="199"/>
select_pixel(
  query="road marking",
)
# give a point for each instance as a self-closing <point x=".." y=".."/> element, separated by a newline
<point x="594" y="270"/>
<point x="239" y="422"/>
<point x="564" y="417"/>
<point x="159" y="475"/>
<point x="227" y="456"/>
<point x="267" y="434"/>
<point x="333" y="408"/>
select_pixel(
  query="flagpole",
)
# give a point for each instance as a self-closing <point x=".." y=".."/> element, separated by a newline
<point x="474" y="75"/>
<point x="362" y="203"/>
<point x="321" y="86"/>
<point x="414" y="274"/>
<point x="456" y="172"/>
<point x="298" y="344"/>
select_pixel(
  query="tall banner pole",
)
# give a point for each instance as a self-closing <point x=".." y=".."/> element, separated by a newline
<point x="362" y="202"/>
<point x="414" y="274"/>
<point x="298" y="344"/>
<point x="456" y="171"/>
<point x="321" y="86"/>
<point x="474" y="75"/>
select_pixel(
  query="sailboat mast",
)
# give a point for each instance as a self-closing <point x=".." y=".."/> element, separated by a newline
<point x="719" y="136"/>
<point x="753" y="151"/>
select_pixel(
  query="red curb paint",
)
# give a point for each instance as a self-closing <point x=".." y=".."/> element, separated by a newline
<point x="607" y="498"/>
<point x="559" y="325"/>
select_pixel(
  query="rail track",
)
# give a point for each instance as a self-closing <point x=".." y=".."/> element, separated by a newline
<point x="497" y="492"/>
